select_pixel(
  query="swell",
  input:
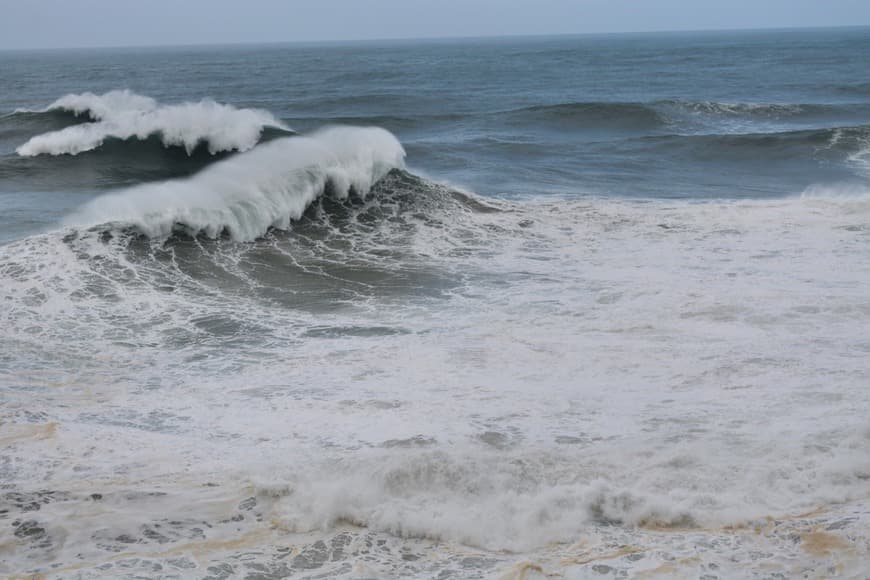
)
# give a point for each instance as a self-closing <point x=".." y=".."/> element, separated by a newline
<point x="118" y="163"/>
<point x="858" y="89"/>
<point x="124" y="115"/>
<point x="87" y="122"/>
<point x="588" y="114"/>
<point x="654" y="117"/>
<point x="834" y="143"/>
<point x="676" y="115"/>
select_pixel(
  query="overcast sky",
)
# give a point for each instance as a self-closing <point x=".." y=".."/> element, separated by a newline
<point x="79" y="23"/>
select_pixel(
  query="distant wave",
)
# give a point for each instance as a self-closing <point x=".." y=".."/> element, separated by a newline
<point x="709" y="117"/>
<point x="669" y="115"/>
<point x="861" y="89"/>
<point x="126" y="115"/>
<point x="246" y="195"/>
<point x="744" y="109"/>
<point x="837" y="143"/>
<point x="762" y="163"/>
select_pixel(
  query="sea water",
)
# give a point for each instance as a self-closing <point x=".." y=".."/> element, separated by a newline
<point x="485" y="308"/>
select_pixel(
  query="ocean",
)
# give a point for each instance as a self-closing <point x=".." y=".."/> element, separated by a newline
<point x="574" y="306"/>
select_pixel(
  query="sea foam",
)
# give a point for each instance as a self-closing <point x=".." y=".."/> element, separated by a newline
<point x="248" y="194"/>
<point x="126" y="115"/>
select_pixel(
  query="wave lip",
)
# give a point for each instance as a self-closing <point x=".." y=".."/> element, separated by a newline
<point x="126" y="115"/>
<point x="246" y="195"/>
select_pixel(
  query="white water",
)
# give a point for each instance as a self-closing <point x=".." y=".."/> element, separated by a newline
<point x="593" y="367"/>
<point x="126" y="115"/>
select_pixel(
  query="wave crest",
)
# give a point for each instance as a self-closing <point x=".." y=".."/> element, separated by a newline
<point x="246" y="195"/>
<point x="126" y="115"/>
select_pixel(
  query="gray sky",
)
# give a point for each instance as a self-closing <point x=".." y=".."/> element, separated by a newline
<point x="77" y="23"/>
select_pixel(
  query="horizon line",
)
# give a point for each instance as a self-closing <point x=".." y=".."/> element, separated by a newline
<point x="398" y="39"/>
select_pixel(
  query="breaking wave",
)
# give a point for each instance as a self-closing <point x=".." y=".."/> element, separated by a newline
<point x="248" y="194"/>
<point x="125" y="115"/>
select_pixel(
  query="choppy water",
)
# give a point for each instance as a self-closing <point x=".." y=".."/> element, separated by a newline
<point x="483" y="308"/>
